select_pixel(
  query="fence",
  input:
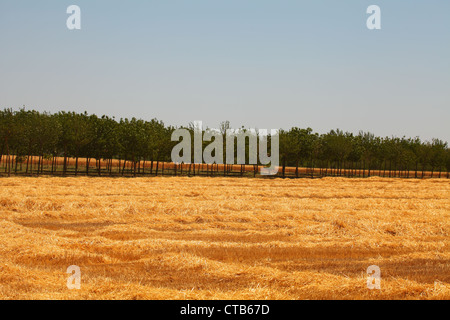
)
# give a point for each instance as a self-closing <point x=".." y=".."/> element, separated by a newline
<point x="36" y="166"/>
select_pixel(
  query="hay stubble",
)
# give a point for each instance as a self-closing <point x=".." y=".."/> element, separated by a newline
<point x="224" y="238"/>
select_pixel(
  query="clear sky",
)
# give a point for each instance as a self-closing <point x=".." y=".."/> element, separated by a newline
<point x="258" y="63"/>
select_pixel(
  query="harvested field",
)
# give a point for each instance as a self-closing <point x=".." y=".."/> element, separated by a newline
<point x="224" y="238"/>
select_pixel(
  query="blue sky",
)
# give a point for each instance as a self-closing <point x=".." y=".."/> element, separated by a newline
<point x="257" y="63"/>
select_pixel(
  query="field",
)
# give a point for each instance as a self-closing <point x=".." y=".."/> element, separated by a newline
<point x="224" y="238"/>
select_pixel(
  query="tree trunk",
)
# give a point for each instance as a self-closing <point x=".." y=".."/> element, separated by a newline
<point x="42" y="164"/>
<point x="28" y="163"/>
<point x="88" y="162"/>
<point x="15" y="168"/>
<point x="65" y="163"/>
<point x="124" y="164"/>
<point x="8" y="164"/>
<point x="364" y="168"/>
<point x="1" y="154"/>
<point x="39" y="165"/>
<point x="390" y="168"/>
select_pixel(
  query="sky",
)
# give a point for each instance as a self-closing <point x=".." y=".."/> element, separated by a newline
<point x="257" y="63"/>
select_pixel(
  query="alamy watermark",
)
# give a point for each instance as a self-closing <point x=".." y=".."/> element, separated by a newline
<point x="74" y="281"/>
<point x="374" y="21"/>
<point x="374" y="279"/>
<point x="74" y="20"/>
<point x="257" y="151"/>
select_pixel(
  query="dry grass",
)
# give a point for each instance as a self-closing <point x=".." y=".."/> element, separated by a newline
<point x="224" y="238"/>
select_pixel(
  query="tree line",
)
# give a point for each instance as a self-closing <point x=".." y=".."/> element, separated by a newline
<point x="132" y="143"/>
